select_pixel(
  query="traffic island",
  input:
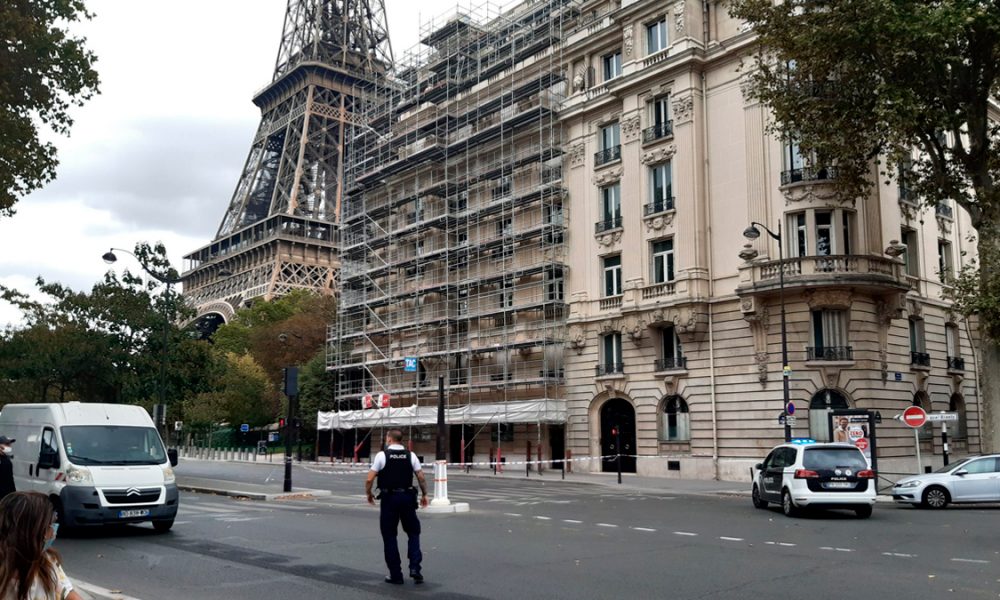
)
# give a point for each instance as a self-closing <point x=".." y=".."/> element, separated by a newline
<point x="249" y="491"/>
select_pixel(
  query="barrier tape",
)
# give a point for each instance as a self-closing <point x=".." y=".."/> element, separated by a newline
<point x="363" y="468"/>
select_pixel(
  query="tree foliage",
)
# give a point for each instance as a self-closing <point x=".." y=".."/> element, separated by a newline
<point x="44" y="70"/>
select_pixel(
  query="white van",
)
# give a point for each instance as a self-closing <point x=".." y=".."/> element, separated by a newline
<point x="99" y="463"/>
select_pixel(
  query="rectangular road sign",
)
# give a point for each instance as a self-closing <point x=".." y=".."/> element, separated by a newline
<point x="244" y="428"/>
<point x="410" y="364"/>
<point x="933" y="417"/>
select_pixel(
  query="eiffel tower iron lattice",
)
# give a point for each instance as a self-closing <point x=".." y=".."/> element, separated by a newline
<point x="279" y="231"/>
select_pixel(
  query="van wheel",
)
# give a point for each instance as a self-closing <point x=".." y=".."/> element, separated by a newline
<point x="863" y="512"/>
<point x="787" y="506"/>
<point x="757" y="501"/>
<point x="936" y="497"/>
<point x="163" y="526"/>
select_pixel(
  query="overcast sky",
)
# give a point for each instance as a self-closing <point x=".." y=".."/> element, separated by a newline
<point x="156" y="155"/>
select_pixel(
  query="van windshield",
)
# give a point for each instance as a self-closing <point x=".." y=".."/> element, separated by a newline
<point x="112" y="445"/>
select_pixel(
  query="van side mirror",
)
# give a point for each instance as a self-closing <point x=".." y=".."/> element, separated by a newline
<point x="172" y="456"/>
<point x="48" y="459"/>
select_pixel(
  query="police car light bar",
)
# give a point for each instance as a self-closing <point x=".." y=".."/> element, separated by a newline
<point x="803" y="441"/>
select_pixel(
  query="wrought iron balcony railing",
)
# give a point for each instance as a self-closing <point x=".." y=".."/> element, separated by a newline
<point x="944" y="210"/>
<point x="956" y="363"/>
<point x="841" y="353"/>
<point x="659" y="205"/>
<point x="671" y="363"/>
<point x="660" y="130"/>
<point x="610" y="369"/>
<point x="920" y="359"/>
<point x="608" y="224"/>
<point x="607" y="155"/>
<point x="808" y="174"/>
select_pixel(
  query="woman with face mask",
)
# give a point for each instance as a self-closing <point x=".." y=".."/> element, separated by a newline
<point x="6" y="466"/>
<point x="29" y="567"/>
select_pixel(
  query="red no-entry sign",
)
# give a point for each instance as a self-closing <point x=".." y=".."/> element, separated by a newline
<point x="914" y="417"/>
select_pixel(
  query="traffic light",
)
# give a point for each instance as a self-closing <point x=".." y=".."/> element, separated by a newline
<point x="281" y="422"/>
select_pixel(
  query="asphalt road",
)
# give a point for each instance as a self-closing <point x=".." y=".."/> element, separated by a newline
<point x="534" y="539"/>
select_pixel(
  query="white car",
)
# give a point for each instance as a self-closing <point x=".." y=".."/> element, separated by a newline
<point x="974" y="479"/>
<point x="805" y="474"/>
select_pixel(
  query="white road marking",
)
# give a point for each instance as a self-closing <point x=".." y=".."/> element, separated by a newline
<point x="643" y="529"/>
<point x="836" y="549"/>
<point x="540" y="518"/>
<point x="606" y="525"/>
<point x="971" y="560"/>
<point x="684" y="533"/>
<point x="239" y="519"/>
<point x="513" y="514"/>
<point x="574" y="521"/>
<point x="730" y="539"/>
<point x="899" y="554"/>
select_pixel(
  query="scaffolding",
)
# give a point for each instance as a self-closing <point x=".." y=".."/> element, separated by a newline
<point x="452" y="242"/>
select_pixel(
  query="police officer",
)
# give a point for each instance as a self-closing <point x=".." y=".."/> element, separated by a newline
<point x="6" y="466"/>
<point x="395" y="467"/>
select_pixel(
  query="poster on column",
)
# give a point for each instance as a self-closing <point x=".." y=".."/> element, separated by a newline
<point x="852" y="429"/>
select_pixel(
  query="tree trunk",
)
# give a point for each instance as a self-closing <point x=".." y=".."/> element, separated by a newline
<point x="989" y="393"/>
<point x="988" y="374"/>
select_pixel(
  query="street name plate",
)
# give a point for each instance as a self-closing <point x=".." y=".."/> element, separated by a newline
<point x="935" y="417"/>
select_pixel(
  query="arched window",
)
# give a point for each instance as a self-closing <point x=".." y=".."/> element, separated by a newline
<point x="819" y="413"/>
<point x="956" y="404"/>
<point x="676" y="420"/>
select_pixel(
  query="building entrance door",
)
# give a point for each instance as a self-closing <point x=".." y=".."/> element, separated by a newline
<point x="618" y="413"/>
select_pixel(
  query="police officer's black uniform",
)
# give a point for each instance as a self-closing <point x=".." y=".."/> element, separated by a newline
<point x="6" y="470"/>
<point x="399" y="504"/>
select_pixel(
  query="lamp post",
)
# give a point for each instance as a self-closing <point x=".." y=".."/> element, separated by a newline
<point x="752" y="233"/>
<point x="110" y="258"/>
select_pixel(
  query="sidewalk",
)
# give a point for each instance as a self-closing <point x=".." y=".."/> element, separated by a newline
<point x="250" y="491"/>
<point x="89" y="591"/>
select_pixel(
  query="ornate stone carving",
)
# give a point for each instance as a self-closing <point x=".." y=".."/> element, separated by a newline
<point x="838" y="299"/>
<point x="635" y="328"/>
<point x="609" y="239"/>
<point x="914" y="308"/>
<point x="627" y="40"/>
<point x="608" y="176"/>
<point x="884" y="364"/>
<point x="679" y="17"/>
<point x="748" y="305"/>
<point x="577" y="338"/>
<point x="579" y="82"/>
<point x="630" y="129"/>
<point x="822" y="193"/>
<point x="576" y="155"/>
<point x="660" y="222"/>
<point x="683" y="109"/>
<point x="761" y="359"/>
<point x="890" y="308"/>
<point x="658" y="155"/>
<point x="944" y="224"/>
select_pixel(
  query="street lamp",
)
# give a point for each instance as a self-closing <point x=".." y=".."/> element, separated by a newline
<point x="752" y="233"/>
<point x="110" y="258"/>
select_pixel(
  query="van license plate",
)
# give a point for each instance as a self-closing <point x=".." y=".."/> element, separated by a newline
<point x="129" y="514"/>
<point x="840" y="484"/>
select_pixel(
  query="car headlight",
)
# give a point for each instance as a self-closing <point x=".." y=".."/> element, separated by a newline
<point x="168" y="475"/>
<point x="909" y="484"/>
<point x="78" y="475"/>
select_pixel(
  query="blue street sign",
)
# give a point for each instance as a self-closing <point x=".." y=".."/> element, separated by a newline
<point x="899" y="376"/>
<point x="790" y="409"/>
<point x="244" y="428"/>
<point x="410" y="364"/>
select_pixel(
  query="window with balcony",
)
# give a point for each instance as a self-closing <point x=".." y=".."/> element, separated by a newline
<point x="611" y="208"/>
<point x="908" y="237"/>
<point x="612" y="65"/>
<point x="829" y="336"/>
<point x="612" y="275"/>
<point x="663" y="260"/>
<point x="918" y="344"/>
<point x="611" y="355"/>
<point x="610" y="144"/>
<point x="797" y="166"/>
<point x="552" y="215"/>
<point x="800" y="235"/>
<point x="905" y="174"/>
<point x="554" y="285"/>
<point x="820" y="233"/>
<point x="659" y="117"/>
<point x="676" y="420"/>
<point x="953" y="343"/>
<point x="945" y="265"/>
<point x="656" y="36"/>
<point x="660" y="189"/>
<point x="671" y="353"/>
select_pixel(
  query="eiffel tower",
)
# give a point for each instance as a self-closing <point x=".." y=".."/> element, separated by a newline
<point x="279" y="232"/>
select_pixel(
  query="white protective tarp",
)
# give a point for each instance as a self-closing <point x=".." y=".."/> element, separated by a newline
<point x="546" y="410"/>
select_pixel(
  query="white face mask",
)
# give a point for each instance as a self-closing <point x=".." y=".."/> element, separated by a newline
<point x="8" y="450"/>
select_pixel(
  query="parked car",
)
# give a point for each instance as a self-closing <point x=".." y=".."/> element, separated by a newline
<point x="973" y="479"/>
<point x="804" y="473"/>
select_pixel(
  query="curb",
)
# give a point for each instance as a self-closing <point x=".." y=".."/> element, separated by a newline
<point x="262" y="496"/>
<point x="90" y="591"/>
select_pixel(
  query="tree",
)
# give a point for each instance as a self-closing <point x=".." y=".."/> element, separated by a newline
<point x="44" y="70"/>
<point x="868" y="85"/>
<point x="243" y="393"/>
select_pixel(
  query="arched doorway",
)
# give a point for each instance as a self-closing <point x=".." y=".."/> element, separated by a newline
<point x="820" y="406"/>
<point x="618" y="412"/>
<point x="921" y="399"/>
<point x="956" y="404"/>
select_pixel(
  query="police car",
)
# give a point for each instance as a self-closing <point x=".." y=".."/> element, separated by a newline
<point x="803" y="473"/>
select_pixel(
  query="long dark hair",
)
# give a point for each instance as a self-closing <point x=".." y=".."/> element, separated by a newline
<point x="25" y="518"/>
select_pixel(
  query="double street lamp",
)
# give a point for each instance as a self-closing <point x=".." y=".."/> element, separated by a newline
<point x="752" y="233"/>
<point x="168" y="279"/>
